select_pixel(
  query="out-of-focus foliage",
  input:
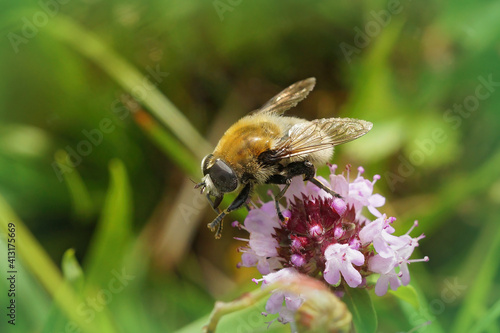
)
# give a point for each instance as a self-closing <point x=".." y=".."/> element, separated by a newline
<point x="116" y="225"/>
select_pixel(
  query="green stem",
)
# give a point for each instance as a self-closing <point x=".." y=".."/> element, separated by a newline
<point x="222" y="308"/>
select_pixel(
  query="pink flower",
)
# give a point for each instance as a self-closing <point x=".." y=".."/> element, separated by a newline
<point x="388" y="276"/>
<point x="281" y="302"/>
<point x="262" y="253"/>
<point x="340" y="259"/>
<point x="379" y="233"/>
<point x="361" y="194"/>
<point x="326" y="238"/>
<point x="396" y="254"/>
<point x="358" y="193"/>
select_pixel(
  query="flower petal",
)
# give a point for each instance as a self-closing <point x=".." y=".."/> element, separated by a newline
<point x="372" y="230"/>
<point x="260" y="221"/>
<point x="313" y="190"/>
<point x="286" y="315"/>
<point x="378" y="264"/>
<point x="376" y="200"/>
<point x="263" y="266"/>
<point x="382" y="248"/>
<point x="339" y="205"/>
<point x="263" y="245"/>
<point x="356" y="257"/>
<point x="268" y="265"/>
<point x="374" y="211"/>
<point x="339" y="185"/>
<point x="332" y="273"/>
<point x="382" y="285"/>
<point x="405" y="273"/>
<point x="296" y="188"/>
<point x="249" y="259"/>
<point x="350" y="274"/>
<point x="293" y="302"/>
<point x="394" y="281"/>
<point x="275" y="302"/>
<point x="282" y="273"/>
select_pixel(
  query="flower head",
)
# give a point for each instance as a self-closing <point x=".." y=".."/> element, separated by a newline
<point x="327" y="238"/>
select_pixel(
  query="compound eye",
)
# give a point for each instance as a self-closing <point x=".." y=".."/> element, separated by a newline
<point x="204" y="164"/>
<point x="223" y="177"/>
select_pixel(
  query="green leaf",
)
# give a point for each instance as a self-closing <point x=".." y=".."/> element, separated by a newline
<point x="113" y="234"/>
<point x="407" y="294"/>
<point x="107" y="252"/>
<point x="488" y="318"/>
<point x="30" y="295"/>
<point x="72" y="271"/>
<point x="38" y="262"/>
<point x="80" y="197"/>
<point x="363" y="313"/>
<point x="423" y="318"/>
<point x="477" y="295"/>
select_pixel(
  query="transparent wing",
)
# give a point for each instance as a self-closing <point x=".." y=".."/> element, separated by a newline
<point x="289" y="97"/>
<point x="308" y="137"/>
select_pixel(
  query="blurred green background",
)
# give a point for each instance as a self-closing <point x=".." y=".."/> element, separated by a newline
<point x="102" y="194"/>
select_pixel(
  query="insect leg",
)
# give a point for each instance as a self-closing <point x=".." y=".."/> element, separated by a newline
<point x="325" y="188"/>
<point x="293" y="169"/>
<point x="217" y="223"/>
<point x="277" y="200"/>
<point x="306" y="168"/>
<point x="241" y="199"/>
<point x="215" y="203"/>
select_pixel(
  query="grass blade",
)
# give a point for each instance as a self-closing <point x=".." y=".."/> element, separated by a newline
<point x="477" y="294"/>
<point x="38" y="262"/>
<point x="88" y="44"/>
<point x="487" y="319"/>
<point x="168" y="143"/>
<point x="80" y="197"/>
<point x="113" y="235"/>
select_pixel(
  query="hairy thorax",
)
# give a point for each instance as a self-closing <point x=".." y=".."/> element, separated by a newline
<point x="243" y="142"/>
